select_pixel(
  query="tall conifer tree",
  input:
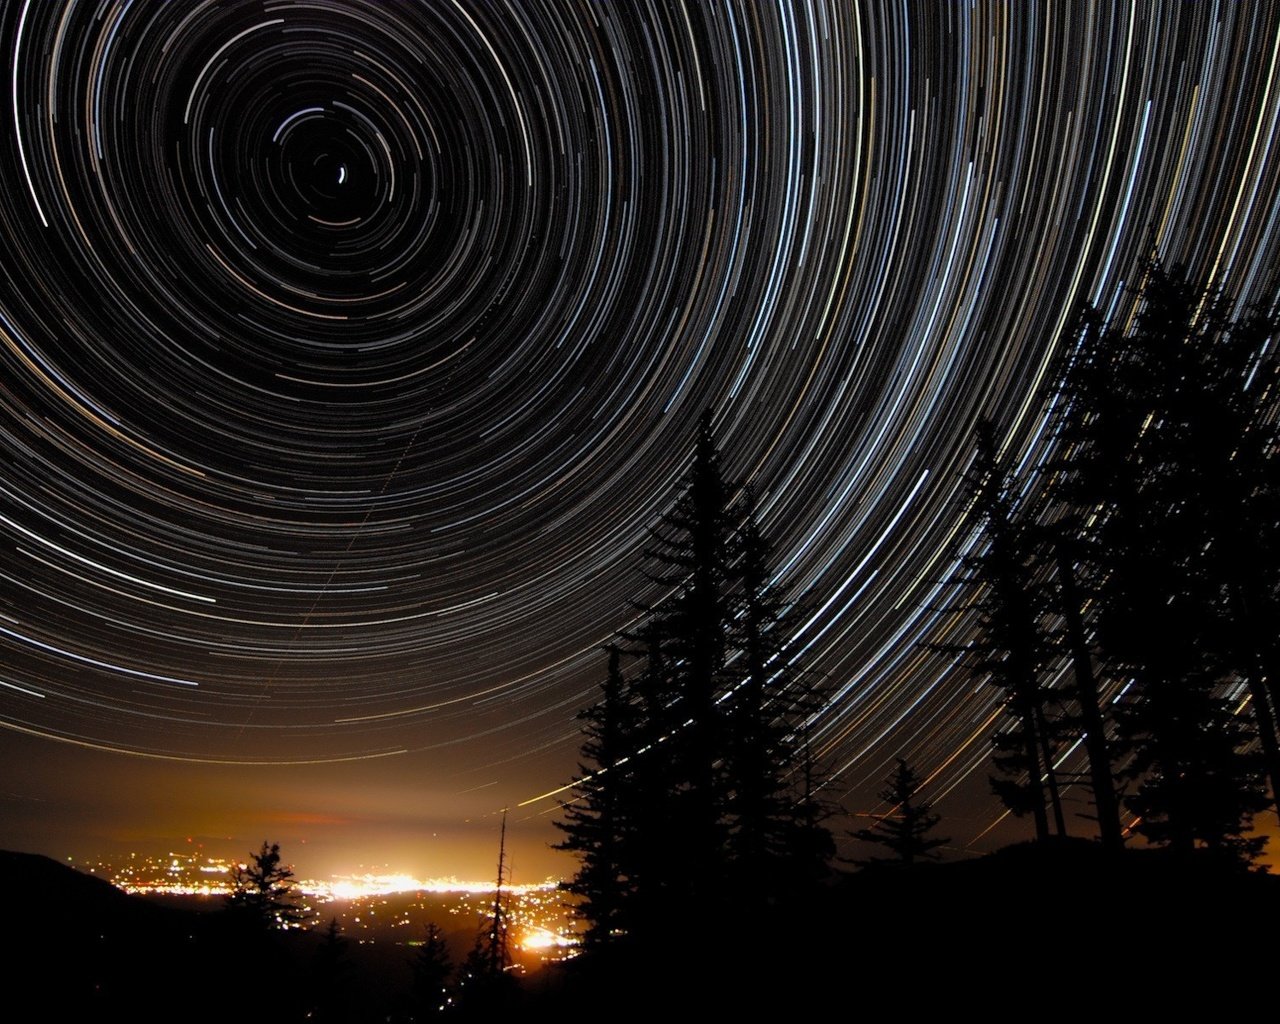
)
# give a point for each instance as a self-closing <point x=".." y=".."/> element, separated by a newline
<point x="595" y="822"/>
<point x="695" y="764"/>
<point x="1159" y="426"/>
<point x="1010" y="646"/>
<point x="692" y="552"/>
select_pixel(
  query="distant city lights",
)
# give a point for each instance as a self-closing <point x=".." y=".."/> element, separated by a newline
<point x="371" y="907"/>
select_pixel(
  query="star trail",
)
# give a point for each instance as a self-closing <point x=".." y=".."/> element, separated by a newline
<point x="350" y="347"/>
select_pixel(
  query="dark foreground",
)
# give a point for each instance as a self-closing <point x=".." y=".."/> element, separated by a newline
<point x="1026" y="932"/>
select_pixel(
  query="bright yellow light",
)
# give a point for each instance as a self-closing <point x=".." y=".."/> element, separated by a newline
<point x="354" y="887"/>
<point x="543" y="938"/>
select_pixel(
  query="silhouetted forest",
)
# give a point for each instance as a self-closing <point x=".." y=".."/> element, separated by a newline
<point x="1126" y="592"/>
<point x="1128" y="588"/>
<point x="1126" y="595"/>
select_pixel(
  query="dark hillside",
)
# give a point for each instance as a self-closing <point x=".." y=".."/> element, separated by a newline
<point x="1052" y="925"/>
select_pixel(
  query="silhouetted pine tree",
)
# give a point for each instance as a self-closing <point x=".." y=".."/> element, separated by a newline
<point x="330" y="968"/>
<point x="1152" y="440"/>
<point x="1198" y="788"/>
<point x="777" y="836"/>
<point x="597" y="821"/>
<point x="692" y="553"/>
<point x="651" y="854"/>
<point x="1233" y="438"/>
<point x="904" y="829"/>
<point x="263" y="891"/>
<point x="1010" y="646"/>
<point x="483" y="990"/>
<point x="431" y="972"/>
<point x="696" y="774"/>
<point x="475" y="966"/>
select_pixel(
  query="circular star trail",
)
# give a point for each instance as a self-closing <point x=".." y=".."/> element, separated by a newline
<point x="350" y="347"/>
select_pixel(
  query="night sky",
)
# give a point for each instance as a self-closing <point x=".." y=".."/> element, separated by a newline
<point x="350" y="346"/>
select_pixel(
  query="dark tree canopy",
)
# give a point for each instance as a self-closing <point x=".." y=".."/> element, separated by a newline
<point x="1127" y="589"/>
<point x="1167" y="472"/>
<point x="263" y="891"/>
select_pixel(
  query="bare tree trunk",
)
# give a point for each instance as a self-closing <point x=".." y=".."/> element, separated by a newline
<point x="1095" y="737"/>
<point x="1035" y="779"/>
<point x="1050" y="773"/>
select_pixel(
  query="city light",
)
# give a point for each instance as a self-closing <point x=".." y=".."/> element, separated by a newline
<point x="373" y="908"/>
